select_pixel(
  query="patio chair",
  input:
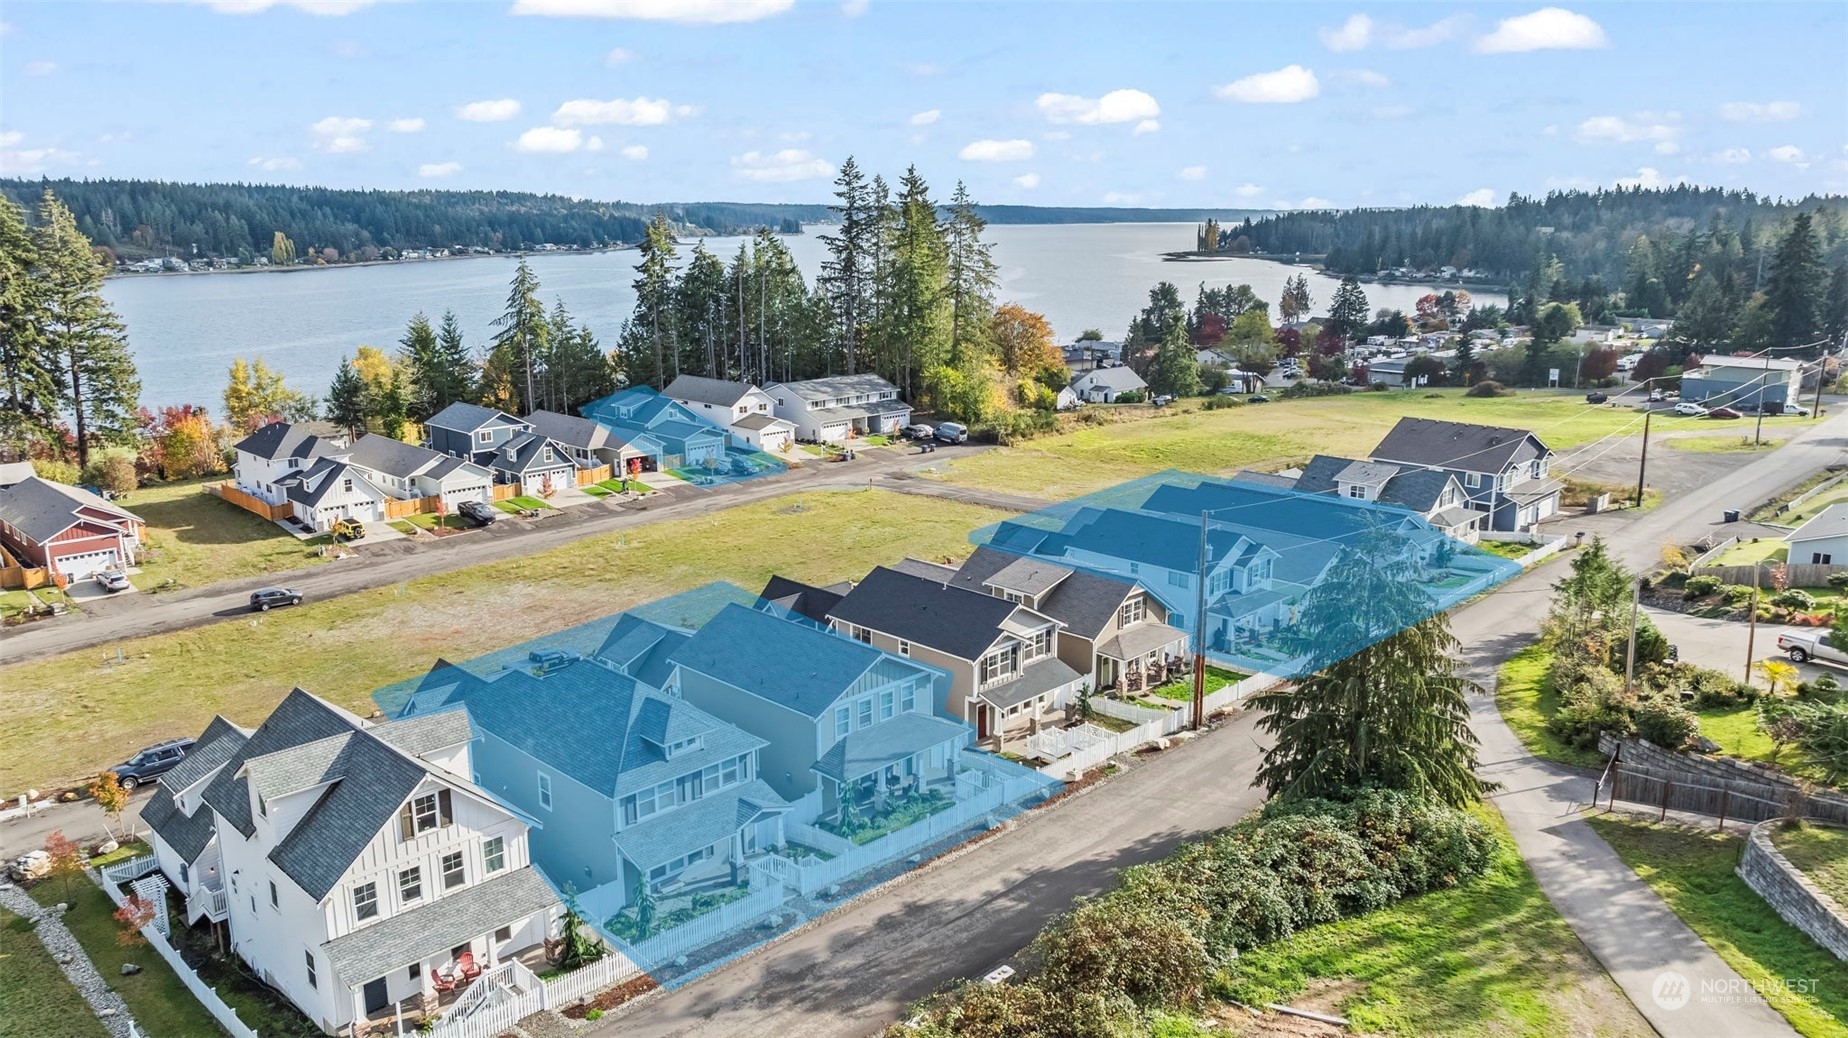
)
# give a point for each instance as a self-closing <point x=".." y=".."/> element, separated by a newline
<point x="466" y="966"/>
<point x="444" y="983"/>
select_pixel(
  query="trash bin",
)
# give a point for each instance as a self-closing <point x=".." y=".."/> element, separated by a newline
<point x="1731" y="515"/>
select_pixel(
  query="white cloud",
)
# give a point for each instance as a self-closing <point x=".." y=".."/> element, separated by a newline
<point x="274" y="163"/>
<point x="1314" y="202"/>
<point x="1248" y="190"/>
<point x="489" y="111"/>
<point x="1120" y="198"/>
<point x="30" y="161"/>
<point x="1650" y="177"/>
<point x="686" y="12"/>
<point x="1147" y="126"/>
<point x="340" y="135"/>
<point x="926" y="117"/>
<point x="1027" y="180"/>
<point x="642" y="111"/>
<point x="1287" y="85"/>
<point x="1364" y="77"/>
<point x="1118" y="106"/>
<point x="439" y="169"/>
<point x="1193" y="173"/>
<point x="1733" y="156"/>
<point x="618" y="56"/>
<point x="920" y="69"/>
<point x="329" y="8"/>
<point x="636" y="153"/>
<point x="1550" y="28"/>
<point x="10" y="138"/>
<point x="1482" y="196"/>
<point x="1753" y="112"/>
<point x="854" y="8"/>
<point x="549" y="140"/>
<point x="405" y="125"/>
<point x="39" y="68"/>
<point x="1787" y="153"/>
<point x="1015" y="150"/>
<point x="780" y="167"/>
<point x="1645" y="126"/>
<point x="1360" y="32"/>
<point x="593" y="144"/>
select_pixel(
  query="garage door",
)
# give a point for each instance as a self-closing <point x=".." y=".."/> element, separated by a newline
<point x="86" y="564"/>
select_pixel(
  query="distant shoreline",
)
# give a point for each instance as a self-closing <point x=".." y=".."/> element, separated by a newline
<point x="298" y="268"/>
<point x="1293" y="260"/>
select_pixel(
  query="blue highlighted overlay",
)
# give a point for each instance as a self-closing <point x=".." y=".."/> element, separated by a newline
<point x="683" y="444"/>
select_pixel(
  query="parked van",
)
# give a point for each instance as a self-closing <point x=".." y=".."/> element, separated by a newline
<point x="952" y="432"/>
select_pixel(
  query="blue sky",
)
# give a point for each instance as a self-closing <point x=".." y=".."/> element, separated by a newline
<point x="1261" y="106"/>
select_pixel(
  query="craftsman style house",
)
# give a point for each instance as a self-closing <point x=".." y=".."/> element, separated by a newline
<point x="66" y="530"/>
<point x="829" y="410"/>
<point x="471" y="431"/>
<point x="1433" y="494"/>
<point x="278" y="450"/>
<point x="686" y="439"/>
<point x="591" y="445"/>
<point x="1503" y="471"/>
<point x="409" y="472"/>
<point x="745" y="412"/>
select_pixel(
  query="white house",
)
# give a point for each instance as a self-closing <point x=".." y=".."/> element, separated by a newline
<point x="745" y="412"/>
<point x="275" y="451"/>
<point x="1068" y="399"/>
<point x="827" y="410"/>
<point x="356" y="866"/>
<point x="331" y="490"/>
<point x="1823" y="540"/>
<point x="1104" y="385"/>
<point x="409" y="472"/>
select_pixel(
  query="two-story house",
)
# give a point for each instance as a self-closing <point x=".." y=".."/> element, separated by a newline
<point x="276" y="450"/>
<point x="537" y="464"/>
<point x="471" y="431"/>
<point x="180" y="830"/>
<point x="828" y="410"/>
<point x="359" y="864"/>
<point x="839" y="719"/>
<point x="409" y="472"/>
<point x="1002" y="658"/>
<point x="592" y="445"/>
<point x="1433" y="494"/>
<point x="1503" y="471"/>
<point x="330" y="490"/>
<point x="687" y="440"/>
<point x="744" y="411"/>
<point x="631" y="785"/>
<point x="1111" y="631"/>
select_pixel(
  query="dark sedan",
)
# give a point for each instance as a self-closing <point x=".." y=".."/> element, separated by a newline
<point x="264" y="599"/>
<point x="1724" y="412"/>
<point x="477" y="512"/>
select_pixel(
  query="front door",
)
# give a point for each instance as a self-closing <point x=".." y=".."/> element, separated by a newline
<point x="373" y="995"/>
<point x="981" y="721"/>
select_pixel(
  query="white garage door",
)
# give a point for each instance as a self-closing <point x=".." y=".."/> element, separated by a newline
<point x="86" y="564"/>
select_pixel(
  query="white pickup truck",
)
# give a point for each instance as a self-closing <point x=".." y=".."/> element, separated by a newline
<point x="1801" y="648"/>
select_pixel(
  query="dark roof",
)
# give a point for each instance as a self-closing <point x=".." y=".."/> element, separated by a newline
<point x="1454" y="445"/>
<point x="451" y="919"/>
<point x="641" y="649"/>
<point x="187" y="835"/>
<point x="572" y="430"/>
<point x="525" y="453"/>
<point x="1416" y="488"/>
<point x="369" y="781"/>
<point x="1036" y="679"/>
<point x="285" y="440"/>
<point x="210" y="751"/>
<point x="392" y="457"/>
<point x="706" y="390"/>
<point x="40" y="509"/>
<point x="316" y="481"/>
<point x="461" y="417"/>
<point x="1084" y="602"/>
<point x="802" y="599"/>
<point x="950" y="619"/>
<point x="300" y="718"/>
<point x="794" y="665"/>
<point x="940" y="572"/>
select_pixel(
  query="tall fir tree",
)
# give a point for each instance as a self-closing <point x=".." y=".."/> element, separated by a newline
<point x="519" y="347"/>
<point x="100" y="390"/>
<point x="1797" y="286"/>
<point x="648" y="344"/>
<point x="347" y="405"/>
<point x="844" y="273"/>
<point x="418" y="355"/>
<point x="29" y="368"/>
<point x="1347" y="312"/>
<point x="972" y="274"/>
<point x="918" y="311"/>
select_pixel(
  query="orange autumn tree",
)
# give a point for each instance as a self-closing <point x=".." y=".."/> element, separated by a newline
<point x="135" y="913"/>
<point x="1024" y="344"/>
<point x="66" y="860"/>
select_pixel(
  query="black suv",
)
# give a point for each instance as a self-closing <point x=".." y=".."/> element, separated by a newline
<point x="477" y="512"/>
<point x="151" y="763"/>
<point x="264" y="599"/>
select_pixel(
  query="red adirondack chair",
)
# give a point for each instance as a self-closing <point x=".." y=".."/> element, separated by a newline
<point x="465" y="966"/>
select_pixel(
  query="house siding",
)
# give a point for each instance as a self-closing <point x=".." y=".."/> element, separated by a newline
<point x="793" y="737"/>
<point x="575" y="843"/>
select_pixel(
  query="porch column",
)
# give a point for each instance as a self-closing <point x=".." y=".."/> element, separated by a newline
<point x="358" y="1026"/>
<point x="426" y="985"/>
<point x="493" y="958"/>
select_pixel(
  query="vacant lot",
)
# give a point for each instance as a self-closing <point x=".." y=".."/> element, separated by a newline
<point x="74" y="713"/>
<point x="1693" y="872"/>
<point x="195" y="538"/>
<point x="1269" y="435"/>
<point x="1488" y="958"/>
<point x="36" y="999"/>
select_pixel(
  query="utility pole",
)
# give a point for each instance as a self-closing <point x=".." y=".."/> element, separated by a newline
<point x="1199" y="674"/>
<point x="1629" y="658"/>
<point x="1642" y="465"/>
<point x="1751" y="633"/>
<point x="1758" y="428"/>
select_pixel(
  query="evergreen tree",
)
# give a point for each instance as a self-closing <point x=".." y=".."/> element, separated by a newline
<point x="1391" y="709"/>
<point x="578" y="370"/>
<point x="519" y="348"/>
<point x="29" y="368"/>
<point x="648" y="343"/>
<point x="1463" y="365"/>
<point x="346" y="399"/>
<point x="100" y="391"/>
<point x="451" y="375"/>
<point x="1797" y="286"/>
<point x="390" y="406"/>
<point x="918" y="316"/>
<point x="418" y="355"/>
<point x="701" y="299"/>
<point x="1173" y="370"/>
<point x="844" y="272"/>
<point x="1835" y="308"/>
<point x="972" y="273"/>
<point x="1295" y="301"/>
<point x="1347" y="313"/>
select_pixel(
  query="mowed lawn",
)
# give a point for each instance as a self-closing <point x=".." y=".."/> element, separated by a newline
<point x="36" y="999"/>
<point x="1821" y="852"/>
<point x="1489" y="958"/>
<point x="195" y="538"/>
<point x="72" y="714"/>
<point x="1274" y="434"/>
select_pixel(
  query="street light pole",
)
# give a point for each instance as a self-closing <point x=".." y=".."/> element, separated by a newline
<point x="1759" y="427"/>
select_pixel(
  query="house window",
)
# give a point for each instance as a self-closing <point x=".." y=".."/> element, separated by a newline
<point x="843" y="721"/>
<point x="888" y="704"/>
<point x="410" y="884"/>
<point x="453" y="871"/>
<point x="1177" y="579"/>
<point x="865" y="710"/>
<point x="414" y="970"/>
<point x="1013" y="596"/>
<point x="999" y="664"/>
<point x="904" y="647"/>
<point x="1356" y="490"/>
<point x="484" y="436"/>
<point x="503" y="935"/>
<point x="731" y="772"/>
<point x="910" y="701"/>
<point x="1041" y="644"/>
<point x="545" y="791"/>
<point x="424" y="813"/>
<point x="1131" y="613"/>
<point x="274" y="902"/>
<point x="1472" y="480"/>
<point x="1821" y="558"/>
<point x="313" y="981"/>
<point x="346" y="486"/>
<point x="862" y="634"/>
<point x="366" y="901"/>
<point x="1135" y="568"/>
<point x="263" y="807"/>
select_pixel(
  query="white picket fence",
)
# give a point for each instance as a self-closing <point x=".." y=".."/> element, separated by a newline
<point x="1151" y="724"/>
<point x="697" y="933"/>
<point x="110" y="878"/>
<point x="599" y="976"/>
<point x="812" y="874"/>
<point x="493" y="1020"/>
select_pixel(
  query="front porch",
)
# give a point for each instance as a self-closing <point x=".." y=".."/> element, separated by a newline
<point x="1141" y="658"/>
<point x="515" y="975"/>
<point x="1016" y="707"/>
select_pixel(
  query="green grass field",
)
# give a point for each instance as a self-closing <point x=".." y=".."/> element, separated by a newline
<point x="36" y="999"/>
<point x="1746" y="553"/>
<point x="1721" y="444"/>
<point x="71" y="714"/>
<point x="1491" y="958"/>
<point x="1693" y="873"/>
<point x="1821" y="852"/>
<point x="1283" y="432"/>
<point x="196" y="539"/>
<point x="513" y="505"/>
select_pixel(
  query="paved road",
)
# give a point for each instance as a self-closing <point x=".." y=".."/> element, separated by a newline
<point x="393" y="561"/>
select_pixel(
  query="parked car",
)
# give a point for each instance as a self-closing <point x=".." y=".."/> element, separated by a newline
<point x="1656" y="396"/>
<point x="1291" y="374"/>
<point x="551" y="659"/>
<point x="349" y="530"/>
<point x="1689" y="408"/>
<point x="1259" y="398"/>
<point x="1724" y="412"/>
<point x="478" y="512"/>
<point x="952" y="432"/>
<point x="112" y="580"/>
<point x="1801" y="648"/>
<point x="264" y="599"/>
<point x="151" y="763"/>
<point x="1777" y="407"/>
<point x="919" y="431"/>
<point x="1596" y="398"/>
<point x="1163" y="400"/>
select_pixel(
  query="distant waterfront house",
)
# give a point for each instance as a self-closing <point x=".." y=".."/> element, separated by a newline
<point x="1104" y="385"/>
<point x="687" y="440"/>
<point x="409" y="472"/>
<point x="829" y="410"/>
<point x="470" y="431"/>
<point x="840" y="719"/>
<point x="746" y="412"/>
<point x="67" y="530"/>
<point x="1434" y="494"/>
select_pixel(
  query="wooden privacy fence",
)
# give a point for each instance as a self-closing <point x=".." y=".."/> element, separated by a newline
<point x="1643" y="773"/>
<point x="248" y="503"/>
<point x="1796" y="574"/>
<point x="396" y="508"/>
<point x="585" y="477"/>
<point x="504" y="491"/>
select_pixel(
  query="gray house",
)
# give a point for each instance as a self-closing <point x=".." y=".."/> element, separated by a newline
<point x="1435" y="494"/>
<point x="1503" y="471"/>
<point x="471" y="431"/>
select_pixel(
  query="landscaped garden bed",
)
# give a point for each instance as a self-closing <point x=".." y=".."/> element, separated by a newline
<point x="901" y="810"/>
<point x="667" y="913"/>
<point x="1182" y="689"/>
<point x="627" y="991"/>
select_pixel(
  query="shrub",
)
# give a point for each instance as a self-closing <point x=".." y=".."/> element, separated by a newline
<point x="1794" y="600"/>
<point x="1220" y="402"/>
<point x="1838" y="580"/>
<point x="1824" y="689"/>
<point x="1666" y="723"/>
<point x="1715" y="689"/>
<point x="1595" y="704"/>
<point x="1700" y="587"/>
<point x="1131" y="396"/>
<point x="1115" y="946"/>
<point x="56" y="471"/>
<point x="1313" y="387"/>
<point x="1737" y="593"/>
<point x="1378" y="387"/>
<point x="1489" y="387"/>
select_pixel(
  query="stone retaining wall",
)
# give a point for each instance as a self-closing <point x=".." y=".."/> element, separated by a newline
<point x="1785" y="888"/>
<point x="1739" y="776"/>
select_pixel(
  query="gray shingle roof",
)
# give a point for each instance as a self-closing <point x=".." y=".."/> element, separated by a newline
<point x="213" y="748"/>
<point x="570" y="429"/>
<point x="393" y="457"/>
<point x="285" y="440"/>
<point x="427" y="733"/>
<point x="717" y="391"/>
<point x="760" y="421"/>
<point x="453" y="918"/>
<point x="951" y="619"/>
<point x="641" y="649"/>
<point x="315" y="482"/>
<point x="801" y="599"/>
<point x="1454" y="445"/>
<point x="1084" y="602"/>
<point x="836" y="385"/>
<point x="370" y="781"/>
<point x="702" y="823"/>
<point x="1029" y="576"/>
<point x="187" y="835"/>
<point x="461" y="417"/>
<point x="1036" y="679"/>
<point x="867" y="750"/>
<point x="525" y="453"/>
<point x="300" y="718"/>
<point x="40" y="509"/>
<point x="1140" y="640"/>
<point x="1417" y="489"/>
<point x="792" y="664"/>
